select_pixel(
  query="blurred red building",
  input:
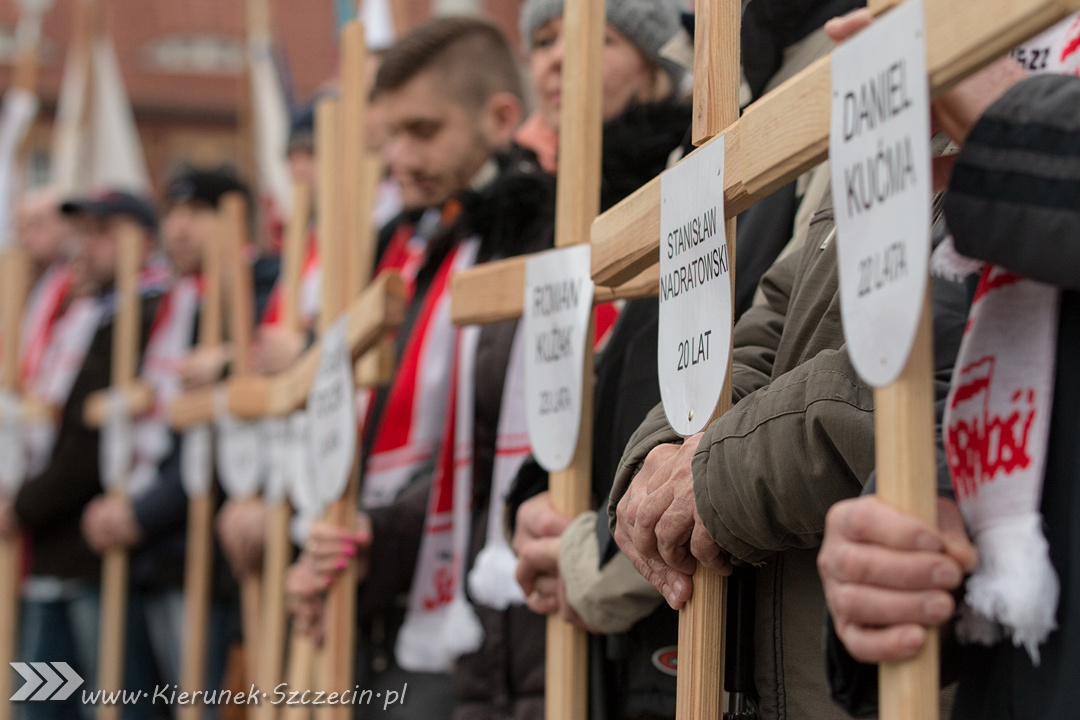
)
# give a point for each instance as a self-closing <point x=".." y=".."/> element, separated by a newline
<point x="183" y="65"/>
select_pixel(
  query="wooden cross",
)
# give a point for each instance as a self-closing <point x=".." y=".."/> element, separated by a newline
<point x="775" y="140"/>
<point x="14" y="271"/>
<point x="495" y="292"/>
<point x="199" y="550"/>
<point x="116" y="560"/>
<point x="277" y="552"/>
<point x="346" y="270"/>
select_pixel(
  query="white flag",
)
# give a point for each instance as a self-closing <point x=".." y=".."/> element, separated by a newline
<point x="271" y="118"/>
<point x="106" y="150"/>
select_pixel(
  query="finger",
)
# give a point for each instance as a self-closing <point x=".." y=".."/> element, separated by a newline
<point x="542" y="604"/>
<point x="326" y="532"/>
<point x="841" y="28"/>
<point x="331" y="566"/>
<point x="650" y="509"/>
<point x="878" y="645"/>
<point x="675" y="586"/>
<point x="526" y="574"/>
<point x="869" y="605"/>
<point x="673" y="533"/>
<point x="955" y="536"/>
<point x="869" y="520"/>
<point x="707" y="552"/>
<point x="850" y="562"/>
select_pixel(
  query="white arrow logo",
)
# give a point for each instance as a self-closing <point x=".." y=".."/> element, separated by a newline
<point x="43" y="675"/>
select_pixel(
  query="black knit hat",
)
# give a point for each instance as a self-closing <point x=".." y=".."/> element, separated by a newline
<point x="204" y="186"/>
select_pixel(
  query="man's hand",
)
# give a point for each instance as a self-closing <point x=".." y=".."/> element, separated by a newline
<point x="304" y="594"/>
<point x="202" y="367"/>
<point x="276" y="349"/>
<point x="330" y="548"/>
<point x="9" y="524"/>
<point x="536" y="544"/>
<point x="539" y="576"/>
<point x="241" y="529"/>
<point x="537" y="518"/>
<point x="109" y="522"/>
<point x="658" y="527"/>
<point x="887" y="575"/>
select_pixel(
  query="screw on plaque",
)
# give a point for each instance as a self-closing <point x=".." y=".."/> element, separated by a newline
<point x="691" y="417"/>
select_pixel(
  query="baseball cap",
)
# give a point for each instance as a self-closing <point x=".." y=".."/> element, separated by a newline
<point x="113" y="202"/>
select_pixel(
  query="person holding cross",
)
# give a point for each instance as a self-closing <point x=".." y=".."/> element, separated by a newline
<point x="1006" y="537"/>
<point x="449" y="97"/>
<point x="62" y="599"/>
<point x="151" y="520"/>
<point x="755" y="486"/>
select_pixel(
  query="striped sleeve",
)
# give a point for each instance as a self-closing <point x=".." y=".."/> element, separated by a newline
<point x="1014" y="197"/>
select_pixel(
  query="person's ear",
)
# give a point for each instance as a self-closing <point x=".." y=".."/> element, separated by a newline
<point x="502" y="115"/>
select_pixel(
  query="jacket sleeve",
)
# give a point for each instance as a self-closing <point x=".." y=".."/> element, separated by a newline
<point x="755" y="339"/>
<point x="72" y="477"/>
<point x="1013" y="197"/>
<point x="611" y="597"/>
<point x="768" y="470"/>
<point x="162" y="509"/>
<point x="396" y="531"/>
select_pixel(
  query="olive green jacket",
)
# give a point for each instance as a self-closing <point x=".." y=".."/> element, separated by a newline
<point x="800" y="437"/>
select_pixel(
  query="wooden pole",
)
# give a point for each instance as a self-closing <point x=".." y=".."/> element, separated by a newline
<point x="14" y="269"/>
<point x="353" y="211"/>
<point x="699" y="692"/>
<point x="233" y="210"/>
<point x="115" y="563"/>
<point x="14" y="272"/>
<point x="576" y="206"/>
<point x="199" y="554"/>
<point x="278" y="550"/>
<point x="906" y="479"/>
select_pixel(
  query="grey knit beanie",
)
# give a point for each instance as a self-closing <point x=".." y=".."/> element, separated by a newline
<point x="649" y="24"/>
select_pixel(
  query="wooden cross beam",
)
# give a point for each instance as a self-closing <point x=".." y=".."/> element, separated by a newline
<point x="199" y="550"/>
<point x="787" y="132"/>
<point x="115" y="562"/>
<point x="378" y="311"/>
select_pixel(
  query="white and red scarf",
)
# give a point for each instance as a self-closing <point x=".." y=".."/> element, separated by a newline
<point x="55" y="375"/>
<point x="171" y="337"/>
<point x="43" y="308"/>
<point x="997" y="425"/>
<point x="441" y="625"/>
<point x="310" y="291"/>
<point x="411" y="422"/>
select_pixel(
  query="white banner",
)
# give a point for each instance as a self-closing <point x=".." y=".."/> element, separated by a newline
<point x="332" y="414"/>
<point x="238" y="451"/>
<point x="694" y="340"/>
<point x="196" y="467"/>
<point x="557" y="308"/>
<point x="879" y="151"/>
